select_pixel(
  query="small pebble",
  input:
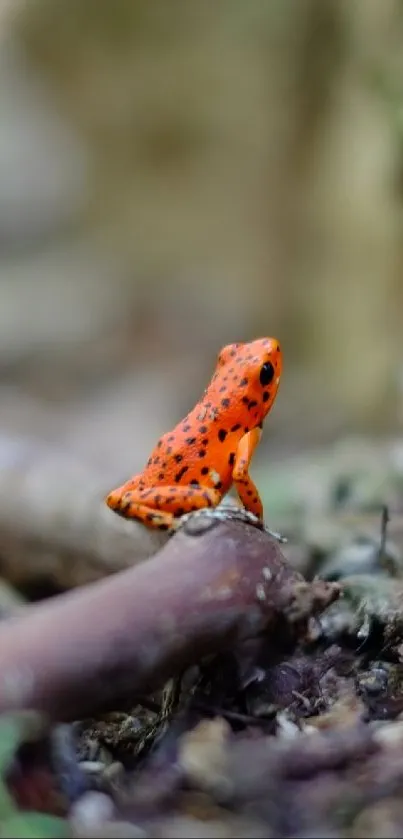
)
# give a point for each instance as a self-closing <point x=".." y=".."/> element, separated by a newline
<point x="91" y="811"/>
<point x="92" y="767"/>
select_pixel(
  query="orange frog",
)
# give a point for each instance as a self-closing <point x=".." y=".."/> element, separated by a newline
<point x="195" y="465"/>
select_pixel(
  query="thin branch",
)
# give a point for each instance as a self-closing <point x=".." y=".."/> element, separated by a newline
<point x="207" y="589"/>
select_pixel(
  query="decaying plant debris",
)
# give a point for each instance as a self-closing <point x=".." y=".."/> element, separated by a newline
<point x="214" y="690"/>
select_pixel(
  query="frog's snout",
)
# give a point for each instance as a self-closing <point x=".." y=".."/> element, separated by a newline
<point x="276" y="356"/>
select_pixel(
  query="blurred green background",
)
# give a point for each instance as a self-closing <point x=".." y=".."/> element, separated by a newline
<point x="178" y="175"/>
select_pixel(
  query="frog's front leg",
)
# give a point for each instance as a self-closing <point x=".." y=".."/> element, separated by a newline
<point x="159" y="506"/>
<point x="243" y="483"/>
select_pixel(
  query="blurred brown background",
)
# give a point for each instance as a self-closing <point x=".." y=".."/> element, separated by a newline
<point x="175" y="176"/>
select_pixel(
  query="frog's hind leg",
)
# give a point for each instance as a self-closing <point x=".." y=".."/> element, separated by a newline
<point x="158" y="519"/>
<point x="114" y="498"/>
<point x="160" y="506"/>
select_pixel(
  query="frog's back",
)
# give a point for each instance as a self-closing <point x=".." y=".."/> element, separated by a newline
<point x="196" y="450"/>
<point x="202" y="447"/>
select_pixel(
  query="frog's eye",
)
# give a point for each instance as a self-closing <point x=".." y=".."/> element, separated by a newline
<point x="266" y="374"/>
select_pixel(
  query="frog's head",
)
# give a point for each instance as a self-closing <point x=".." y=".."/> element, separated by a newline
<point x="252" y="372"/>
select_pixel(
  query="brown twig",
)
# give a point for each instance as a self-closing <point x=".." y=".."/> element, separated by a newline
<point x="213" y="584"/>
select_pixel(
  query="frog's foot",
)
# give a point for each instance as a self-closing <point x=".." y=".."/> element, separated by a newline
<point x="229" y="512"/>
